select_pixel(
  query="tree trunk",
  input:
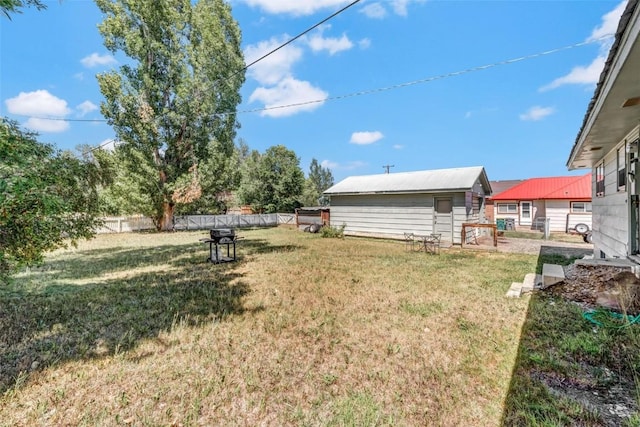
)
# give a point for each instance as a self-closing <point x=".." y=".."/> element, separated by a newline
<point x="166" y="222"/>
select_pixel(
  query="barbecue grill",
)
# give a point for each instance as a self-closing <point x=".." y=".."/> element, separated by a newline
<point x="219" y="237"/>
<point x="222" y="235"/>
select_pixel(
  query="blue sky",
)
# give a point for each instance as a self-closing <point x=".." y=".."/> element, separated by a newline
<point x="438" y="109"/>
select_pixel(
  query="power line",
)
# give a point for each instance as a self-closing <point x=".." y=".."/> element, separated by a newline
<point x="382" y="89"/>
<point x="295" y="38"/>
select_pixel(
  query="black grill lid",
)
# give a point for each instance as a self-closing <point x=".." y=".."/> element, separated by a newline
<point x="217" y="233"/>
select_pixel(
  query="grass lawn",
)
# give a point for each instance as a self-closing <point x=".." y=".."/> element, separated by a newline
<point x="138" y="329"/>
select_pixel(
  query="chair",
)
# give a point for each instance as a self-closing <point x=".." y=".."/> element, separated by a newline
<point x="409" y="240"/>
<point x="432" y="243"/>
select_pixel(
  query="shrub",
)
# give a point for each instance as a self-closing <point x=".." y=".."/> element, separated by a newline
<point x="329" y="231"/>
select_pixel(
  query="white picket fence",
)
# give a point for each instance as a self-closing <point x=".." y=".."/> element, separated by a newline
<point x="196" y="222"/>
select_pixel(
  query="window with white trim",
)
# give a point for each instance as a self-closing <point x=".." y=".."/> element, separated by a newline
<point x="580" y="207"/>
<point x="507" y="208"/>
<point x="600" y="180"/>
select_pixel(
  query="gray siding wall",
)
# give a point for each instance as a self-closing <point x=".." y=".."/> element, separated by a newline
<point x="610" y="214"/>
<point x="383" y="215"/>
<point x="392" y="215"/>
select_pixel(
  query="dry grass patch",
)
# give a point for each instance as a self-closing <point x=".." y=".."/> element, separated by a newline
<point x="138" y="329"/>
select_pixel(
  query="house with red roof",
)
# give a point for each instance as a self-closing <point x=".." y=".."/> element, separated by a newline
<point x="564" y="200"/>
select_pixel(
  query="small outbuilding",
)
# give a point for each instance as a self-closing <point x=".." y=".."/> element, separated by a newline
<point x="421" y="202"/>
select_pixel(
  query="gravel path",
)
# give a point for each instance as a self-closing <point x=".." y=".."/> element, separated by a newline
<point x="531" y="246"/>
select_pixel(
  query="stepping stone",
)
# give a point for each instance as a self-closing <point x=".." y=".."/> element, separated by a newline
<point x="551" y="274"/>
<point x="515" y="290"/>
<point x="529" y="282"/>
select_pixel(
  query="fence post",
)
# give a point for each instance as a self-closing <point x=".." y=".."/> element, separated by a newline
<point x="547" y="226"/>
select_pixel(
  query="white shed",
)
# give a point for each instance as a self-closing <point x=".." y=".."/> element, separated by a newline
<point x="421" y="202"/>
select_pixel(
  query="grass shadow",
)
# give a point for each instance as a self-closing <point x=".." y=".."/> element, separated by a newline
<point x="98" y="303"/>
<point x="559" y="255"/>
<point x="566" y="371"/>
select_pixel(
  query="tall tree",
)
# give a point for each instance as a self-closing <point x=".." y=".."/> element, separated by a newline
<point x="15" y="6"/>
<point x="272" y="182"/>
<point x="319" y="179"/>
<point x="47" y="198"/>
<point x="173" y="107"/>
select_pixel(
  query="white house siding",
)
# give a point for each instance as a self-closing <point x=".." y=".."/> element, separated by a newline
<point x="556" y="211"/>
<point x="610" y="214"/>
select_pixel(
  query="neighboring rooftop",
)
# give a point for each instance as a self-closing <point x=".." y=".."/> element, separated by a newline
<point x="559" y="187"/>
<point x="500" y="186"/>
<point x="438" y="180"/>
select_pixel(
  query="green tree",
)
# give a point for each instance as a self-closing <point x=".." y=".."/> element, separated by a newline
<point x="173" y="107"/>
<point x="319" y="179"/>
<point x="15" y="6"/>
<point x="47" y="198"/>
<point x="272" y="182"/>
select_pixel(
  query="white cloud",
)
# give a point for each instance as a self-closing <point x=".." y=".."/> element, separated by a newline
<point x="590" y="74"/>
<point x="274" y="67"/>
<point x="46" y="125"/>
<point x="364" y="43"/>
<point x="609" y="23"/>
<point x="331" y="44"/>
<point x="295" y="7"/>
<point x="365" y="138"/>
<point x="107" y="144"/>
<point x="329" y="164"/>
<point x="579" y="75"/>
<point x="537" y="113"/>
<point x="37" y="103"/>
<point x="78" y="76"/>
<point x="40" y="103"/>
<point x="356" y="164"/>
<point x="289" y="91"/>
<point x="96" y="59"/>
<point x="398" y="146"/>
<point x="85" y="108"/>
<point x="374" y="11"/>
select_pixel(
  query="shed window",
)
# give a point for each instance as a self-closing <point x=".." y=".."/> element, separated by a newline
<point x="622" y="168"/>
<point x="580" y="207"/>
<point x="507" y="208"/>
<point x="600" y="180"/>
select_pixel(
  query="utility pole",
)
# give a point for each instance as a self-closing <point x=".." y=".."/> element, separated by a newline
<point x="387" y="167"/>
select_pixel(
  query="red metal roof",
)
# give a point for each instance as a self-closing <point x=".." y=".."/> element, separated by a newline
<point x="559" y="187"/>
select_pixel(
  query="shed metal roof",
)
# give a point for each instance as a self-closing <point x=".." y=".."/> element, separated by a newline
<point x="551" y="188"/>
<point x="439" y="180"/>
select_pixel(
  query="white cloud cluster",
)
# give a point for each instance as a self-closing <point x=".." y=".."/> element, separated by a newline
<point x="590" y="74"/>
<point x="378" y="10"/>
<point x="95" y="60"/>
<point x="296" y="7"/>
<point x="45" y="112"/>
<point x="537" y="113"/>
<point x="40" y="103"/>
<point x="278" y="85"/>
<point x="85" y="108"/>
<point x="365" y="138"/>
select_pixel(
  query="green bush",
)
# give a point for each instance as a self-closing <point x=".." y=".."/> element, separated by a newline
<point x="329" y="231"/>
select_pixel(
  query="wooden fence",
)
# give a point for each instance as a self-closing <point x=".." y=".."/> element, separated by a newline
<point x="196" y="222"/>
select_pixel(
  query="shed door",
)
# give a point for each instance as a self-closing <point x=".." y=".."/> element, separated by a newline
<point x="443" y="218"/>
